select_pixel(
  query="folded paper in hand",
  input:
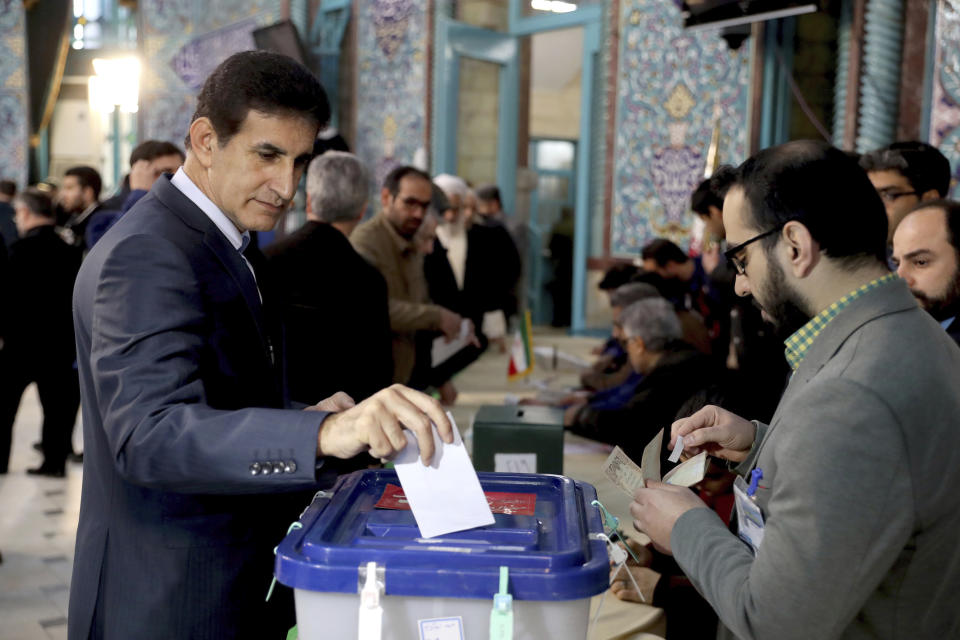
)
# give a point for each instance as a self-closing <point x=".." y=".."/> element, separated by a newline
<point x="445" y="496"/>
<point x="628" y="477"/>
<point x="441" y="351"/>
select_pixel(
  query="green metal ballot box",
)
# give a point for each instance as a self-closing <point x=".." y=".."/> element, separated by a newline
<point x="518" y="439"/>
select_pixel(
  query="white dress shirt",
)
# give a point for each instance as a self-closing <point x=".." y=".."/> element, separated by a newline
<point x="240" y="241"/>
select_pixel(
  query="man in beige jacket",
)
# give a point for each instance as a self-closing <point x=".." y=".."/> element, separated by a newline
<point x="386" y="241"/>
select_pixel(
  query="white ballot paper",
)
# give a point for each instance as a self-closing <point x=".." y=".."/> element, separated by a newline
<point x="446" y="496"/>
<point x="443" y="350"/>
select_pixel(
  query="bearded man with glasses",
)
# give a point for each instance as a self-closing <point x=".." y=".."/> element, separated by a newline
<point x="848" y="526"/>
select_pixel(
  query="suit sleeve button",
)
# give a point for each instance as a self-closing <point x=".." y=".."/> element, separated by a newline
<point x="254" y="468"/>
<point x="291" y="467"/>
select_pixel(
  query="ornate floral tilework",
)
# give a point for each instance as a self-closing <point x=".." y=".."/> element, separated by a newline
<point x="391" y="82"/>
<point x="673" y="87"/>
<point x="13" y="93"/>
<point x="945" y="116"/>
<point x="181" y="42"/>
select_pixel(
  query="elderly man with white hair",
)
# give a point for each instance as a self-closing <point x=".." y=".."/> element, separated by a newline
<point x="672" y="371"/>
<point x="483" y="259"/>
<point x="334" y="303"/>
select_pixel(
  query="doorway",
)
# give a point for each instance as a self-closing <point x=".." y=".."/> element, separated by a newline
<point x="477" y="132"/>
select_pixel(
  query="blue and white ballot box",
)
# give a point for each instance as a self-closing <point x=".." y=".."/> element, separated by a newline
<point x="544" y="550"/>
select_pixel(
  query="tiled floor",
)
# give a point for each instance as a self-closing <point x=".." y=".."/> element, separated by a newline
<point x="37" y="532"/>
<point x="38" y="516"/>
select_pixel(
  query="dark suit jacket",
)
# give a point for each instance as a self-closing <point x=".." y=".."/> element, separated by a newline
<point x="8" y="228"/>
<point x="490" y="275"/>
<point x="186" y="444"/>
<point x="39" y="324"/>
<point x="334" y="308"/>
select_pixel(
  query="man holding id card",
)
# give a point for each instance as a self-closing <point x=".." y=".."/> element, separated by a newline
<point x="847" y="510"/>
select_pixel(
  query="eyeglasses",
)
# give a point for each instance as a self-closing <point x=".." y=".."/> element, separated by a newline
<point x="891" y="196"/>
<point x="731" y="253"/>
<point x="411" y="204"/>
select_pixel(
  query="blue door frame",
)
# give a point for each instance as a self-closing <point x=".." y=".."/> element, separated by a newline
<point x="455" y="39"/>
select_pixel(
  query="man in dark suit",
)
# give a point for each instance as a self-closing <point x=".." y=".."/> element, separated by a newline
<point x="38" y="335"/>
<point x="193" y="457"/>
<point x="926" y="252"/>
<point x="316" y="267"/>
<point x="8" y="230"/>
<point x="80" y="198"/>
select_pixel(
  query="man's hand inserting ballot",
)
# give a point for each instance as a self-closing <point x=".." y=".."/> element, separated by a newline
<point x="376" y="425"/>
<point x="339" y="401"/>
<point x="657" y="508"/>
<point x="717" y="431"/>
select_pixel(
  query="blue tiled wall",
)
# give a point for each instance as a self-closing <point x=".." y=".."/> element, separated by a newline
<point x="671" y="86"/>
<point x="13" y="93"/>
<point x="181" y="41"/>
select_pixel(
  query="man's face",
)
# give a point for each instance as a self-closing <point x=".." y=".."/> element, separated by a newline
<point x="73" y="197"/>
<point x="928" y="262"/>
<point x="452" y="214"/>
<point x="898" y="196"/>
<point x="764" y="279"/>
<point x="166" y="164"/>
<point x="488" y="207"/>
<point x="426" y="236"/>
<point x="406" y="210"/>
<point x="469" y="208"/>
<point x="254" y="177"/>
<point x="617" y="328"/>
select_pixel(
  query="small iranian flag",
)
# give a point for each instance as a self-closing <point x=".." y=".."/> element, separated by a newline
<point x="521" y="351"/>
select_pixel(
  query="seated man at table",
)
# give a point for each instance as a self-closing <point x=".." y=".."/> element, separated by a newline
<point x="612" y="368"/>
<point x="672" y="372"/>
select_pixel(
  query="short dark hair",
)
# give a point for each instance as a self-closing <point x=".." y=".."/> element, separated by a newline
<point x="260" y="81"/>
<point x="664" y="252"/>
<point x="824" y="189"/>
<point x="392" y="182"/>
<point x="703" y="198"/>
<point x="87" y="177"/>
<point x="489" y="192"/>
<point x="617" y="275"/>
<point x="923" y="166"/>
<point x="37" y="202"/>
<point x="8" y="188"/>
<point x="153" y="149"/>
<point x="951" y="209"/>
<point x="670" y="288"/>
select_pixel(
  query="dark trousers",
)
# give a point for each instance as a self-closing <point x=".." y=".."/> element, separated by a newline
<point x="59" y="389"/>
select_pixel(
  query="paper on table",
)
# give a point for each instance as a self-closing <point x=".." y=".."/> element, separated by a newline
<point x="446" y="496"/>
<point x="689" y="473"/>
<point x="443" y="350"/>
<point x="548" y="354"/>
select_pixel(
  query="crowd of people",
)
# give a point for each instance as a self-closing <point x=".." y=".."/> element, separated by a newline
<point x="220" y="382"/>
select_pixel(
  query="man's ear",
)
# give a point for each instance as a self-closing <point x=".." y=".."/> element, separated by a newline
<point x="385" y="198"/>
<point x="802" y="251"/>
<point x="362" y="210"/>
<point x="930" y="194"/>
<point x="203" y="138"/>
